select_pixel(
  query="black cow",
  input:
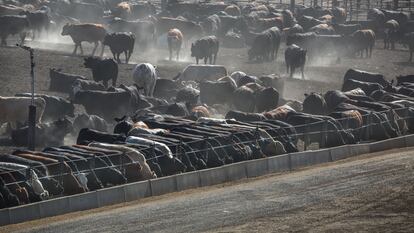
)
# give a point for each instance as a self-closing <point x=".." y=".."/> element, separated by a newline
<point x="102" y="69"/>
<point x="365" y="76"/>
<point x="295" y="57"/>
<point x="38" y="21"/>
<point x="262" y="47"/>
<point x="87" y="136"/>
<point x="315" y="104"/>
<point x="266" y="99"/>
<point x="216" y="92"/>
<point x="120" y="43"/>
<point x="207" y="48"/>
<point x="367" y="87"/>
<point x="12" y="25"/>
<point x="245" y="116"/>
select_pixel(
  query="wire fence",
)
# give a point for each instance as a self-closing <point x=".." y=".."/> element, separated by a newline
<point x="321" y="133"/>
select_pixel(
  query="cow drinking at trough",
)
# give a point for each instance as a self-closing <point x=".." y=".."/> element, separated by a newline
<point x="295" y="57"/>
<point x="92" y="33"/>
<point x="175" y="40"/>
<point x="120" y="43"/>
<point x="102" y="69"/>
<point x="145" y="76"/>
<point x="207" y="48"/>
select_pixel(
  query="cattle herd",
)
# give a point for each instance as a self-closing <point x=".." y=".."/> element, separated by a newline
<point x="204" y="117"/>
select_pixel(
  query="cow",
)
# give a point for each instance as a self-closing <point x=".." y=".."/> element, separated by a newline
<point x="362" y="40"/>
<point x="266" y="99"/>
<point x="92" y="33"/>
<point x="390" y="34"/>
<point x="211" y="25"/>
<point x="243" y="99"/>
<point x="346" y="29"/>
<point x="89" y="121"/>
<point x="315" y="104"/>
<point x="295" y="57"/>
<point x="87" y="136"/>
<point x="308" y="22"/>
<point x="365" y="76"/>
<point x="339" y="15"/>
<point x="174" y="40"/>
<point x="261" y="47"/>
<point x="38" y="20"/>
<point x="322" y="29"/>
<point x="120" y="43"/>
<point x="408" y="39"/>
<point x="244" y="116"/>
<point x="56" y="107"/>
<point x="367" y="87"/>
<point x="216" y="92"/>
<point x="144" y="30"/>
<point x="145" y="76"/>
<point x="378" y="17"/>
<point x="102" y="69"/>
<point x="205" y="48"/>
<point x="264" y="24"/>
<point x="62" y="82"/>
<point x="200" y="73"/>
<point x="47" y="134"/>
<point x="404" y="79"/>
<point x="105" y="104"/>
<point x="188" y="28"/>
<point x="16" y="109"/>
<point x="122" y="10"/>
<point x="233" y="10"/>
<point x="12" y="25"/>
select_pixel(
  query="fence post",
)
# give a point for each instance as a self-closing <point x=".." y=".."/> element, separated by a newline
<point x="324" y="134"/>
<point x="350" y="10"/>
<point x="61" y="171"/>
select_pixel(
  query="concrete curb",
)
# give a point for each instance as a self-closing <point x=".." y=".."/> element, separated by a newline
<point x="207" y="177"/>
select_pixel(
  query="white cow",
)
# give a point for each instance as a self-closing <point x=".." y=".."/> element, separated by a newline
<point x="147" y="142"/>
<point x="16" y="109"/>
<point x="145" y="76"/>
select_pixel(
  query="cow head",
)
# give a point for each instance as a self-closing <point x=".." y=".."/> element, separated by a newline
<point x="91" y="62"/>
<point x="66" y="30"/>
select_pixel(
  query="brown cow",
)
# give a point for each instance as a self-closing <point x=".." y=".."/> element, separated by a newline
<point x="70" y="183"/>
<point x="175" y="40"/>
<point x="92" y="33"/>
<point x="362" y="40"/>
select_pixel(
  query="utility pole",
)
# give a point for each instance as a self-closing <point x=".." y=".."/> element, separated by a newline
<point x="32" y="108"/>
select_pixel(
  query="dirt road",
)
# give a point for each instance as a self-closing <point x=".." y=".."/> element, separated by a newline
<point x="368" y="193"/>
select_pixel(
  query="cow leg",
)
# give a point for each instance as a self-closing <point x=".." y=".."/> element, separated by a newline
<point x="117" y="58"/>
<point x="22" y="37"/>
<point x="385" y="42"/>
<point x="94" y="48"/>
<point x="170" y="51"/>
<point x="292" y="70"/>
<point x="411" y="55"/>
<point x="75" y="49"/>
<point x="126" y="56"/>
<point x="302" y="69"/>
<point x="178" y="54"/>
<point x="81" y="49"/>
<point x="205" y="60"/>
<point x="103" y="49"/>
<point x="197" y="60"/>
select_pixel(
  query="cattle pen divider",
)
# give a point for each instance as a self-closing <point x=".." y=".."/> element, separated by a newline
<point x="236" y="171"/>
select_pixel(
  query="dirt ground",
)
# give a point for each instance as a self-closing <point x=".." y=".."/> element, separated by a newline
<point x="321" y="74"/>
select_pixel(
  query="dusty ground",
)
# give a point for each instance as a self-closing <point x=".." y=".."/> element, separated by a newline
<point x="369" y="193"/>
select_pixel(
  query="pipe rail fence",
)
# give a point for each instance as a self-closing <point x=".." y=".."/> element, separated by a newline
<point x="180" y="151"/>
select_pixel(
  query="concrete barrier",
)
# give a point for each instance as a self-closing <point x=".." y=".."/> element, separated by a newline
<point x="308" y="158"/>
<point x="137" y="190"/>
<point x="110" y="196"/>
<point x="341" y="152"/>
<point x="188" y="180"/>
<point x="235" y="171"/>
<point x="387" y="144"/>
<point x="212" y="176"/>
<point x="278" y="163"/>
<point x="29" y="212"/>
<point x="163" y="185"/>
<point x="83" y="201"/>
<point x="359" y="149"/>
<point x="409" y="140"/>
<point x="54" y="207"/>
<point x="4" y="217"/>
<point x="257" y="167"/>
